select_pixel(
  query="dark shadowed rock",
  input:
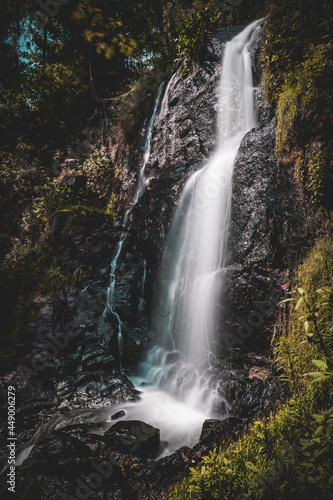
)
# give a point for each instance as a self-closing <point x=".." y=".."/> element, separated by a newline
<point x="75" y="182"/>
<point x="133" y="436"/>
<point x="215" y="431"/>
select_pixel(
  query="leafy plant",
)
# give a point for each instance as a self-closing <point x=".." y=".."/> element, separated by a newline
<point x="191" y="34"/>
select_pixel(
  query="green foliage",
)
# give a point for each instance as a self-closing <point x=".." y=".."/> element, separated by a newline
<point x="101" y="185"/>
<point x="100" y="172"/>
<point x="50" y="98"/>
<point x="307" y="329"/>
<point x="31" y="195"/>
<point x="105" y="32"/>
<point x="192" y="33"/>
<point x="271" y="461"/>
<point x="298" y="76"/>
<point x="304" y="97"/>
<point x="27" y="272"/>
<point x="54" y="89"/>
<point x="326" y="367"/>
<point x="316" y="464"/>
<point x="292" y="27"/>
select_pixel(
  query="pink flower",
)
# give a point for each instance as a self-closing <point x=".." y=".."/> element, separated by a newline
<point x="284" y="287"/>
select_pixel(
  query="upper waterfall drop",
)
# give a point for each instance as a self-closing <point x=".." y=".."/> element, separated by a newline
<point x="193" y="266"/>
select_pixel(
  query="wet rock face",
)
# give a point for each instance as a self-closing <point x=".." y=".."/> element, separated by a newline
<point x="214" y="432"/>
<point x="72" y="463"/>
<point x="270" y="232"/>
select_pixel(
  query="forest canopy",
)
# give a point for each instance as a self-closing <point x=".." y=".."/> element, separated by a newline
<point x="55" y="54"/>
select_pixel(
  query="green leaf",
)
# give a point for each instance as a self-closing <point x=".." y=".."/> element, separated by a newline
<point x="318" y="431"/>
<point x="305" y="443"/>
<point x="320" y="364"/>
<point x="299" y="303"/>
<point x="301" y="291"/>
<point x="306" y="327"/>
<point x="285" y="300"/>
<point x="251" y="466"/>
<point x="318" y="377"/>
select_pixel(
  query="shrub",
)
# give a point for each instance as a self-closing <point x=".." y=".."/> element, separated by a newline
<point x="192" y="34"/>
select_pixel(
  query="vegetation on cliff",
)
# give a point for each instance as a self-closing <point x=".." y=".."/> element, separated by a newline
<point x="298" y="77"/>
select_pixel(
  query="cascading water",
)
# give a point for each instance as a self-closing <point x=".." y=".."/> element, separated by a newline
<point x="196" y="255"/>
<point x="180" y="388"/>
<point x="164" y="115"/>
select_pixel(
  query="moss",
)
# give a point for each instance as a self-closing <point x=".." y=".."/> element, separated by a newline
<point x="305" y="94"/>
<point x="316" y="168"/>
<point x="288" y="128"/>
<point x="112" y="206"/>
<point x="311" y="170"/>
<point x="293" y="27"/>
<point x="32" y="271"/>
<point x="297" y="57"/>
<point x="304" y="111"/>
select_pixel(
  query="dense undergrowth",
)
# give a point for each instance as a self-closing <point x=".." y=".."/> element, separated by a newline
<point x="34" y="187"/>
<point x="298" y="76"/>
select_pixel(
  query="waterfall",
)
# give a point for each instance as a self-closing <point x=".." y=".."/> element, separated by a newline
<point x="111" y="291"/>
<point x="196" y="252"/>
<point x="164" y="115"/>
<point x="180" y="387"/>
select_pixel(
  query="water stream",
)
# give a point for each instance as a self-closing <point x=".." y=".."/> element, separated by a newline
<point x="142" y="183"/>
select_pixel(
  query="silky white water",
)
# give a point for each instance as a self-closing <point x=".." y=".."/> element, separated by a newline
<point x="180" y="389"/>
